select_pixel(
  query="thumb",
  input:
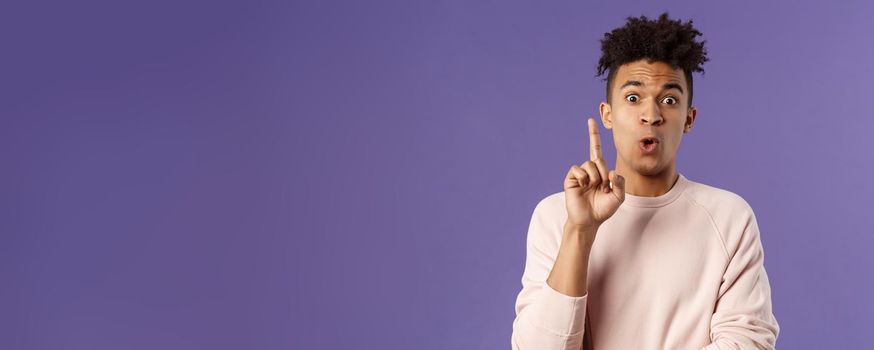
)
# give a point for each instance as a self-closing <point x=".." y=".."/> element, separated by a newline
<point x="618" y="184"/>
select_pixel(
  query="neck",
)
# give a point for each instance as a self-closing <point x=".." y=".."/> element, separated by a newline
<point x="641" y="185"/>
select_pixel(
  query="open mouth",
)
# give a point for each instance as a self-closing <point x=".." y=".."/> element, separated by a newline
<point x="649" y="144"/>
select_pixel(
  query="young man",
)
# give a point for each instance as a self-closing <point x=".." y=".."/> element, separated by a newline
<point x="642" y="257"/>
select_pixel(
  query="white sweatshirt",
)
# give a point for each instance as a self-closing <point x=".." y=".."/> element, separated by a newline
<point x="683" y="270"/>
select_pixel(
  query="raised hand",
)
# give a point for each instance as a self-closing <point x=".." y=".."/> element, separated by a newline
<point x="592" y="192"/>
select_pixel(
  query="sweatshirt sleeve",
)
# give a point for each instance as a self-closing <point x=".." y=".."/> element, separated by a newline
<point x="545" y="318"/>
<point x="742" y="318"/>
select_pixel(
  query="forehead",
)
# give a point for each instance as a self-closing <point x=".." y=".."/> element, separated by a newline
<point x="652" y="75"/>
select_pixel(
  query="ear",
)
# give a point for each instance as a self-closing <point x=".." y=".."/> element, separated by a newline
<point x="606" y="114"/>
<point x="690" y="119"/>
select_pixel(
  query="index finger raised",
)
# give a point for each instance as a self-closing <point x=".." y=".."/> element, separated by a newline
<point x="594" y="141"/>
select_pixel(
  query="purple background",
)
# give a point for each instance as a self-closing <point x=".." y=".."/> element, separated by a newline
<point x="193" y="175"/>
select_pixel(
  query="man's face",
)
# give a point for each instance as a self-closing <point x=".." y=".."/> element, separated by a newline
<point x="648" y="100"/>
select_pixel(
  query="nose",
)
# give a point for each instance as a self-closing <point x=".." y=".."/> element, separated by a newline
<point x="651" y="114"/>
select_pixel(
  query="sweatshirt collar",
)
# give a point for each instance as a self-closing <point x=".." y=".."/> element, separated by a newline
<point x="658" y="201"/>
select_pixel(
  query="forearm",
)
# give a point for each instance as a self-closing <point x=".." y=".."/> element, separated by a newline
<point x="570" y="272"/>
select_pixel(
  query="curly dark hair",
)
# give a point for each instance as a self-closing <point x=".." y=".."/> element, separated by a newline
<point x="665" y="40"/>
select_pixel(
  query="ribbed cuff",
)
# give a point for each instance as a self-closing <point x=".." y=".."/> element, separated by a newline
<point x="558" y="313"/>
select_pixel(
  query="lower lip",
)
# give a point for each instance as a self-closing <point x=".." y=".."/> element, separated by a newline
<point x="648" y="148"/>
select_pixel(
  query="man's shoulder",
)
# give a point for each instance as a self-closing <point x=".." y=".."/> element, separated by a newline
<point x="730" y="214"/>
<point x="552" y="198"/>
<point x="552" y="204"/>
<point x="715" y="199"/>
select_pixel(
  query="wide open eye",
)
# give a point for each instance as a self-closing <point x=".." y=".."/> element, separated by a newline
<point x="632" y="98"/>
<point x="670" y="100"/>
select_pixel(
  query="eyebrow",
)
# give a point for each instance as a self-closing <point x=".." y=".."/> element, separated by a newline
<point x="664" y="87"/>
